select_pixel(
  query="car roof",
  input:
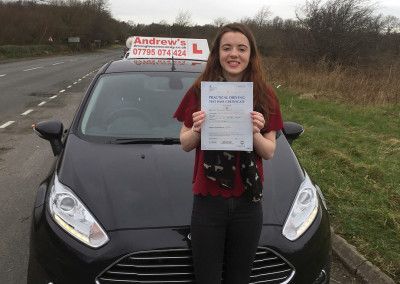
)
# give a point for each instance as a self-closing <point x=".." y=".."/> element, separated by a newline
<point x="155" y="65"/>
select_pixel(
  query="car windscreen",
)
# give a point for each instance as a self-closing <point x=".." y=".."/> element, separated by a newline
<point x="135" y="105"/>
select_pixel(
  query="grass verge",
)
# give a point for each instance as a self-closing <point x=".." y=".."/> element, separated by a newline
<point x="22" y="51"/>
<point x="353" y="153"/>
<point x="27" y="51"/>
<point x="366" y="85"/>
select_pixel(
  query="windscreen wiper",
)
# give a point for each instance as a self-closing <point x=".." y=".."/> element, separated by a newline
<point x="158" y="140"/>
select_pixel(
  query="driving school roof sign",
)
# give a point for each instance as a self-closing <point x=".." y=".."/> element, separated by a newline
<point x="166" y="47"/>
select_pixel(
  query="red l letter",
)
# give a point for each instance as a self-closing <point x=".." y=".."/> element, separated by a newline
<point x="195" y="50"/>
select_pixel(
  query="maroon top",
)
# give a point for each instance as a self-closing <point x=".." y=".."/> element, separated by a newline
<point x="201" y="184"/>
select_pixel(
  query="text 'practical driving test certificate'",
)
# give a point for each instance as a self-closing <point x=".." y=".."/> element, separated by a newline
<point x="228" y="124"/>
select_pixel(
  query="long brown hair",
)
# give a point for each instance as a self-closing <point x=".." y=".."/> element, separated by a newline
<point x="263" y="96"/>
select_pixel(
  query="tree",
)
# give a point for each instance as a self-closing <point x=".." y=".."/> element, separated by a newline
<point x="277" y="22"/>
<point x="391" y="24"/>
<point x="220" y="21"/>
<point x="339" y="30"/>
<point x="261" y="18"/>
<point x="183" y="19"/>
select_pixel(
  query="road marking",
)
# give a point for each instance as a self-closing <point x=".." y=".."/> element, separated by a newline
<point x="58" y="63"/>
<point x="2" y="75"/>
<point x="42" y="103"/>
<point x="30" y="69"/>
<point x="62" y="91"/>
<point x="69" y="86"/>
<point x="53" y="97"/>
<point x="7" y="124"/>
<point x="75" y="83"/>
<point x="79" y="80"/>
<point x="27" y="112"/>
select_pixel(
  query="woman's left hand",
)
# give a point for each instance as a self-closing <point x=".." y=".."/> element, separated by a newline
<point x="258" y="121"/>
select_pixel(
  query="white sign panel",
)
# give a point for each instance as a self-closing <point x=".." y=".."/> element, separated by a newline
<point x="74" y="39"/>
<point x="228" y="124"/>
<point x="165" y="47"/>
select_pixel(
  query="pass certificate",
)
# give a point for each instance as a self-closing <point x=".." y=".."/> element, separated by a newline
<point x="228" y="124"/>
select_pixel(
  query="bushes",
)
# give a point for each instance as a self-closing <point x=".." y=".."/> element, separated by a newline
<point x="27" y="22"/>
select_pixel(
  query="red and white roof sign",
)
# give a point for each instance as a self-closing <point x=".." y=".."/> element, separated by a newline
<point x="166" y="47"/>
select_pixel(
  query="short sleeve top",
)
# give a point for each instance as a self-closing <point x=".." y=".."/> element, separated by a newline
<point x="201" y="184"/>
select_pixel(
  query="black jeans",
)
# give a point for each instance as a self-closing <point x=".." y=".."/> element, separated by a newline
<point x="224" y="227"/>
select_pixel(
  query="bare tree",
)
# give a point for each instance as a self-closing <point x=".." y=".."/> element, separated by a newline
<point x="339" y="30"/>
<point x="277" y="22"/>
<point x="220" y="21"/>
<point x="183" y="19"/>
<point x="261" y="18"/>
<point x="391" y="24"/>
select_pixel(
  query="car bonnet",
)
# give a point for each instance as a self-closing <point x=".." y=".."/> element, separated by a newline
<point x="150" y="185"/>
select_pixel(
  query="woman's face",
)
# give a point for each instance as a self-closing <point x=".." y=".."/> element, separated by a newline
<point x="234" y="55"/>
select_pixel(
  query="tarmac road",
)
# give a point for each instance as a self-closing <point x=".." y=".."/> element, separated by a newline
<point x="25" y="159"/>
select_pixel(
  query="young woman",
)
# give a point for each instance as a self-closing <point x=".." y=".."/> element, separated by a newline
<point x="227" y="212"/>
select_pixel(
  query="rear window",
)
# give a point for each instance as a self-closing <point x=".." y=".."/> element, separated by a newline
<point x="135" y="105"/>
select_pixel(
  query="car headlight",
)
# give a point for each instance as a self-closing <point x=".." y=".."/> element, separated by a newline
<point x="72" y="215"/>
<point x="303" y="211"/>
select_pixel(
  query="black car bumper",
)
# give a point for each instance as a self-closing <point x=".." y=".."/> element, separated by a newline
<point x="57" y="257"/>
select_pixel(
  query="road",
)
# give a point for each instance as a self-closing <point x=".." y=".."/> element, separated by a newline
<point x="32" y="91"/>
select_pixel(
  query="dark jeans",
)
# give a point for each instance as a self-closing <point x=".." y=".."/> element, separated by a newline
<point x="227" y="227"/>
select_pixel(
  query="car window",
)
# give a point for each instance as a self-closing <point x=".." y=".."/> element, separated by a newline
<point x="135" y="105"/>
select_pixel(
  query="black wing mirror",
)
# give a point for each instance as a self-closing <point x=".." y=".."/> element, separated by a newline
<point x="52" y="131"/>
<point x="292" y="130"/>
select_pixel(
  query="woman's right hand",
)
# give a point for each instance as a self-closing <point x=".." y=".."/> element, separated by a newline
<point x="198" y="119"/>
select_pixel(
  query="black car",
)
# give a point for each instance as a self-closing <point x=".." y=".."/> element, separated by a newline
<point x="117" y="206"/>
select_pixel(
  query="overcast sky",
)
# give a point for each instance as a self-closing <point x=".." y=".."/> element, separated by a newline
<point x="205" y="11"/>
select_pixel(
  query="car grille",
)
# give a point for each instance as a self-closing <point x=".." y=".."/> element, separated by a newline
<point x="176" y="266"/>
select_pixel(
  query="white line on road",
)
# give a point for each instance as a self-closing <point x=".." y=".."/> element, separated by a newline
<point x="2" y="75"/>
<point x="27" y="112"/>
<point x="62" y="91"/>
<point x="53" y="97"/>
<point x="58" y="63"/>
<point x="79" y="80"/>
<point x="7" y="124"/>
<point x="42" y="103"/>
<point x="69" y="86"/>
<point x="75" y="83"/>
<point x="32" y="68"/>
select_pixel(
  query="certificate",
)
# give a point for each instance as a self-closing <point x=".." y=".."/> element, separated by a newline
<point x="228" y="124"/>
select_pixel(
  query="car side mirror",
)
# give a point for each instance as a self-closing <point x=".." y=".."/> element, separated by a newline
<point x="292" y="130"/>
<point x="51" y="131"/>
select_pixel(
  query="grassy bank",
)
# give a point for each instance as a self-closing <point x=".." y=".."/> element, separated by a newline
<point x="26" y="51"/>
<point x="377" y="83"/>
<point x="22" y="51"/>
<point x="353" y="153"/>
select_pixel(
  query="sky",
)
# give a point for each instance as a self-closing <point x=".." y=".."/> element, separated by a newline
<point x="206" y="11"/>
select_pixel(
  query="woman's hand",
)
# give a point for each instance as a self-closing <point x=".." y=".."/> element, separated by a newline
<point x="265" y="143"/>
<point x="198" y="119"/>
<point x="258" y="121"/>
<point x="190" y="137"/>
